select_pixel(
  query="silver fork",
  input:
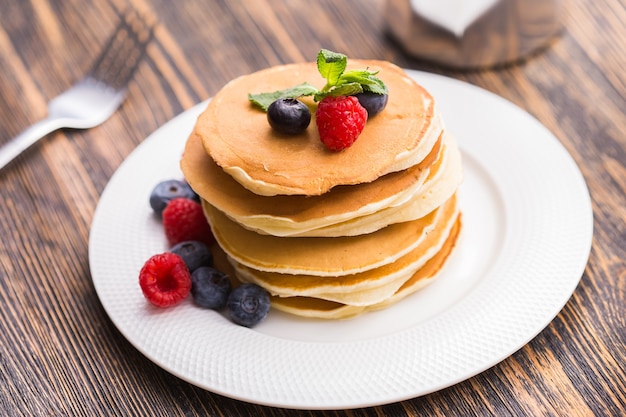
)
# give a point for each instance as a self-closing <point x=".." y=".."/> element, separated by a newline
<point x="94" y="98"/>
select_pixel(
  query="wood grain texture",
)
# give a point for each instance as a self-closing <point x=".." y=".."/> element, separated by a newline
<point x="61" y="355"/>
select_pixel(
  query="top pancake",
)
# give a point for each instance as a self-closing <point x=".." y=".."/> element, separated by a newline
<point x="237" y="135"/>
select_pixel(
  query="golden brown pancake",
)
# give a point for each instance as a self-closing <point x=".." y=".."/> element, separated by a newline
<point x="442" y="181"/>
<point x="238" y="137"/>
<point x="295" y="215"/>
<point x="317" y="308"/>
<point x="321" y="256"/>
<point x="360" y="289"/>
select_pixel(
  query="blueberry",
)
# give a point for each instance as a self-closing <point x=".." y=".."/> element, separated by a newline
<point x="210" y="287"/>
<point x="167" y="190"/>
<point x="248" y="304"/>
<point x="288" y="116"/>
<point x="194" y="253"/>
<point x="374" y="103"/>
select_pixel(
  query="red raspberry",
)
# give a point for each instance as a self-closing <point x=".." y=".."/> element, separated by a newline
<point x="165" y="280"/>
<point x="183" y="219"/>
<point x="340" y="121"/>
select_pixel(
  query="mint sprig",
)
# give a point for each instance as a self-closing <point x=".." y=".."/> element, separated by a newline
<point x="331" y="66"/>
<point x="339" y="82"/>
<point x="263" y="100"/>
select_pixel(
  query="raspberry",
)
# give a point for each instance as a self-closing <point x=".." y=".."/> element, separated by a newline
<point x="183" y="220"/>
<point x="340" y="121"/>
<point x="165" y="280"/>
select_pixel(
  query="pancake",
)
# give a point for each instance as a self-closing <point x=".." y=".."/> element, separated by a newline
<point x="361" y="289"/>
<point x="321" y="256"/>
<point x="239" y="139"/>
<point x="297" y="215"/>
<point x="442" y="182"/>
<point x="323" y="309"/>
<point x="393" y="198"/>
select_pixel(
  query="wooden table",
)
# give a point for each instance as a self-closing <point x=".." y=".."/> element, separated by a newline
<point x="59" y="352"/>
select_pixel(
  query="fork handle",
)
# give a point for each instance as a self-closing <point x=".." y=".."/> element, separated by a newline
<point x="27" y="138"/>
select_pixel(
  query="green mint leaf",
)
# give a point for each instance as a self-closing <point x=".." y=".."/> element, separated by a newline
<point x="375" y="88"/>
<point x="339" y="82"/>
<point x="348" y="89"/>
<point x="263" y="100"/>
<point x="368" y="80"/>
<point x="331" y="65"/>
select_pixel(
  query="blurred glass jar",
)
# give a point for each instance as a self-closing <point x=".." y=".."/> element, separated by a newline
<point x="472" y="33"/>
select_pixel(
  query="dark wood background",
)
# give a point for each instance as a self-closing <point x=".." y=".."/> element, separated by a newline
<point x="59" y="352"/>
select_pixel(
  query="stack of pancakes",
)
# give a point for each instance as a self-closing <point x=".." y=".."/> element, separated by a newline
<point x="328" y="234"/>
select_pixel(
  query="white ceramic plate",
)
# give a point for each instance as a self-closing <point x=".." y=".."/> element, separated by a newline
<point x="525" y="243"/>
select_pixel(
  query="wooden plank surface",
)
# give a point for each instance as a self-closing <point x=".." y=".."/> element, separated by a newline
<point x="59" y="352"/>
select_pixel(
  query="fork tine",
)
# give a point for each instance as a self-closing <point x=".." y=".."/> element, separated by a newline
<point x="124" y="50"/>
